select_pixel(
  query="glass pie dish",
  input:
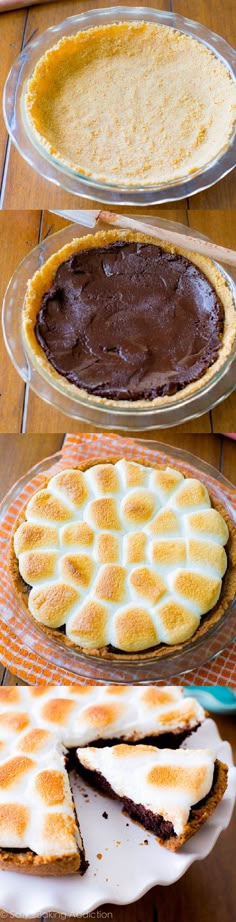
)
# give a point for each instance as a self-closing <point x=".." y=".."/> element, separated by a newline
<point x="122" y="669"/>
<point x="45" y="163"/>
<point x="55" y="392"/>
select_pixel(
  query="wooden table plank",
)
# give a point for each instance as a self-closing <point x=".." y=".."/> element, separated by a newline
<point x="205" y="893"/>
<point x="222" y="195"/>
<point x="12" y="30"/>
<point x="47" y="420"/>
<point x="229" y="459"/>
<point x="18" y="453"/>
<point x="225" y="421"/>
<point x="215" y="15"/>
<point x="9" y="679"/>
<point x="18" y="233"/>
<point x="220" y="18"/>
<point x="2" y="673"/>
<point x="220" y="226"/>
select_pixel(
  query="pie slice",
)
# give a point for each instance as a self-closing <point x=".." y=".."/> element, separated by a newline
<point x="169" y="793"/>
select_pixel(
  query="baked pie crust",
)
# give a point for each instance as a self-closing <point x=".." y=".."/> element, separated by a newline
<point x="43" y="280"/>
<point x="132" y="104"/>
<point x="108" y="621"/>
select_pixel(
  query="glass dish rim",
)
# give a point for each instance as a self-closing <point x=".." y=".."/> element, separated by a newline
<point x="105" y="415"/>
<point x="93" y="188"/>
<point x="108" y="670"/>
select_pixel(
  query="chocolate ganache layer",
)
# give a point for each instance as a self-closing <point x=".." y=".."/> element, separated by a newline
<point x="130" y="321"/>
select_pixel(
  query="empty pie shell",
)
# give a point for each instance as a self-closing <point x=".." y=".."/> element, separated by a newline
<point x="132" y="104"/>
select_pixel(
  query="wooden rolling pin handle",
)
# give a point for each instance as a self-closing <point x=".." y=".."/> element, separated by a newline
<point x="177" y="238"/>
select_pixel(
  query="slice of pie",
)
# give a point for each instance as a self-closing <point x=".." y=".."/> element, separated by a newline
<point x="121" y="558"/>
<point x="170" y="793"/>
<point x="132" y="104"/>
<point x="81" y="305"/>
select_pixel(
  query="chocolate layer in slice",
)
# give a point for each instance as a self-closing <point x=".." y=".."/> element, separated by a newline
<point x="130" y="321"/>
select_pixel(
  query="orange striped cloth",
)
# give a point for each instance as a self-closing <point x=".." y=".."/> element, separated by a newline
<point x="34" y="658"/>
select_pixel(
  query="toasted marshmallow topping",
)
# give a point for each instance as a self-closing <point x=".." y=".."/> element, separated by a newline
<point x="167" y="783"/>
<point x="81" y="715"/>
<point x="122" y="555"/>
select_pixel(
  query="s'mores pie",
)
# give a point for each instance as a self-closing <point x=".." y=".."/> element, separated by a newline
<point x="170" y="793"/>
<point x="120" y="558"/>
<point x="82" y="303"/>
<point x="40" y="730"/>
<point x="132" y="104"/>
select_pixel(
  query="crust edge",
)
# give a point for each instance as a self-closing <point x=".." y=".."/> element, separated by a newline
<point x="30" y="863"/>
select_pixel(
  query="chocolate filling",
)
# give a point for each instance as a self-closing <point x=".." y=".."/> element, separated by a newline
<point x="155" y="823"/>
<point x="130" y="321"/>
<point x="169" y="740"/>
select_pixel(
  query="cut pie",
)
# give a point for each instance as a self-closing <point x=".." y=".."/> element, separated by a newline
<point x="132" y="104"/>
<point x="81" y="305"/>
<point x="170" y="793"/>
<point x="39" y="830"/>
<point x="121" y="558"/>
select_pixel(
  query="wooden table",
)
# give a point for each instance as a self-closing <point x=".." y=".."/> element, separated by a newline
<point x="207" y="892"/>
<point x="20" y="409"/>
<point x="18" y="453"/>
